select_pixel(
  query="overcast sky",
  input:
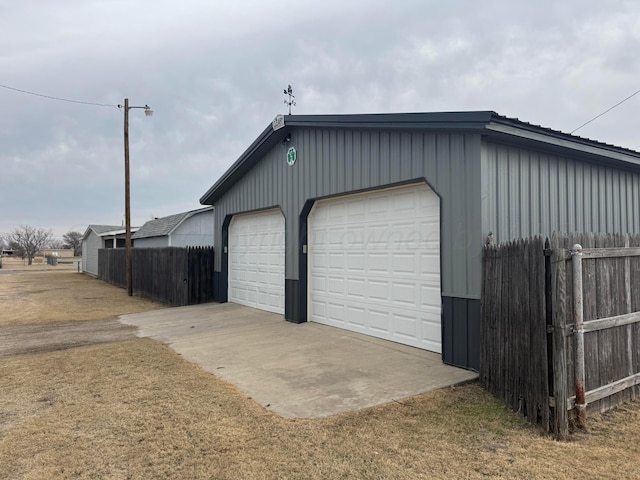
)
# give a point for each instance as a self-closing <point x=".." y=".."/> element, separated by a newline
<point x="214" y="74"/>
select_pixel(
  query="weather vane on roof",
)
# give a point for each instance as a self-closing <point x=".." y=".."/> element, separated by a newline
<point x="289" y="91"/>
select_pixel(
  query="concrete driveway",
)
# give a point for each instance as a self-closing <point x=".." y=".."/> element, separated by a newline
<point x="297" y="371"/>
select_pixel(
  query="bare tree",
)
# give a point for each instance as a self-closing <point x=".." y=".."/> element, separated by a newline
<point x="56" y="244"/>
<point x="73" y="240"/>
<point x="29" y="240"/>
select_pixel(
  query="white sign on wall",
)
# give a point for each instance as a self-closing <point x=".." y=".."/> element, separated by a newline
<point x="278" y="122"/>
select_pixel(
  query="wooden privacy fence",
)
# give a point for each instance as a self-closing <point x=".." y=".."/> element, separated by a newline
<point x="173" y="275"/>
<point x="556" y="324"/>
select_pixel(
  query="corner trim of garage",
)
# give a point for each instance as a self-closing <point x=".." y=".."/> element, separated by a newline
<point x="299" y="314"/>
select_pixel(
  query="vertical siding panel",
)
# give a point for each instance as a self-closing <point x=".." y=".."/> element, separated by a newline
<point x="534" y="200"/>
<point x="338" y="165"/>
<point x="578" y="198"/>
<point x="610" y="201"/>
<point x="618" y="192"/>
<point x="502" y="177"/>
<point x="367" y="162"/>
<point x="524" y="200"/>
<point x="443" y="156"/>
<point x="487" y="189"/>
<point x="431" y="159"/>
<point x="374" y="169"/>
<point x="307" y="186"/>
<point x="595" y="200"/>
<point x="554" y="197"/>
<point x="544" y="193"/>
<point x="630" y="226"/>
<point x="321" y="160"/>
<point x="416" y="166"/>
<point x="586" y="198"/>
<point x="393" y="158"/>
<point x="406" y="154"/>
<point x="568" y="207"/>
<point x="385" y="149"/>
<point x="356" y="155"/>
<point x="513" y="193"/>
<point x="461" y="241"/>
<point x="331" y="146"/>
<point x="347" y="156"/>
<point x="602" y="202"/>
<point x="473" y="222"/>
<point x="636" y="201"/>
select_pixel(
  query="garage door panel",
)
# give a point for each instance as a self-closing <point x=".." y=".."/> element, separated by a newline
<point x="356" y="316"/>
<point x="256" y="260"/>
<point x="374" y="265"/>
<point x="379" y="322"/>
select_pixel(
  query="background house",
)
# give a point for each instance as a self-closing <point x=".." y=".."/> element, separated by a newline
<point x="192" y="229"/>
<point x="375" y="223"/>
<point x="97" y="237"/>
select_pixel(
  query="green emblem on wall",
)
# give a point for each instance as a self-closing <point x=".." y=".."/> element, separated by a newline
<point x="291" y="156"/>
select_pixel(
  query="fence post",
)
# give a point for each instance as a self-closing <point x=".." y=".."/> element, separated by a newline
<point x="578" y="316"/>
<point x="559" y="343"/>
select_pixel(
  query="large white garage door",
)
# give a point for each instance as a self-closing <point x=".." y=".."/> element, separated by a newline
<point x="256" y="260"/>
<point x="374" y="265"/>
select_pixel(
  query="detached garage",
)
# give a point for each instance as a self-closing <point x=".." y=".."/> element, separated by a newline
<point x="375" y="223"/>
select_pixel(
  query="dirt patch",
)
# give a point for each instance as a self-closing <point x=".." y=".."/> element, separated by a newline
<point x="24" y="339"/>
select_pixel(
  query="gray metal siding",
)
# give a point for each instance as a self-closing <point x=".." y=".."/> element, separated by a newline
<point x="338" y="161"/>
<point x="526" y="193"/>
<point x="90" y="247"/>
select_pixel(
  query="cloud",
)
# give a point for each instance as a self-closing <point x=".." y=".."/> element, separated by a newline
<point x="214" y="73"/>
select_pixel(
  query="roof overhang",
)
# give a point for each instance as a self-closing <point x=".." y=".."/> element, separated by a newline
<point x="486" y="123"/>
<point x="114" y="233"/>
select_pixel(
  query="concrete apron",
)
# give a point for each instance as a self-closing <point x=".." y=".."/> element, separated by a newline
<point x="297" y="371"/>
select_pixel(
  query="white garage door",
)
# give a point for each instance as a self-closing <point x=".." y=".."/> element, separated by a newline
<point x="374" y="265"/>
<point x="256" y="260"/>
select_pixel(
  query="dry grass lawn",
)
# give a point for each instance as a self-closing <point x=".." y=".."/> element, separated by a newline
<point x="136" y="409"/>
<point x="40" y="294"/>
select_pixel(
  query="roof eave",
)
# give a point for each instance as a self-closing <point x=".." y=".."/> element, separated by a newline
<point x="269" y="136"/>
<point x="504" y="128"/>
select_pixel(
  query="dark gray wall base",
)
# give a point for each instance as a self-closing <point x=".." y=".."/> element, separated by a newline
<point x="292" y="309"/>
<point x="220" y="290"/>
<point x="461" y="332"/>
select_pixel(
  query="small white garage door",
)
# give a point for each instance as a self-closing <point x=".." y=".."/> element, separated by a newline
<point x="374" y="265"/>
<point x="256" y="260"/>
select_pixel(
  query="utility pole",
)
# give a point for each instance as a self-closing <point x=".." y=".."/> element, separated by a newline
<point x="127" y="193"/>
<point x="127" y="200"/>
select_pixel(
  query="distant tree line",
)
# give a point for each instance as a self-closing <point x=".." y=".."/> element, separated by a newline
<point x="26" y="241"/>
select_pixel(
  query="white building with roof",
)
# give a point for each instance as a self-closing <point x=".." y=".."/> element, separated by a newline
<point x="97" y="237"/>
<point x="187" y="229"/>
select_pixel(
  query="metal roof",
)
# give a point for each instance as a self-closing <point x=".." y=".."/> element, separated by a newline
<point x="486" y="123"/>
<point x="100" y="229"/>
<point x="105" y="230"/>
<point x="159" y="227"/>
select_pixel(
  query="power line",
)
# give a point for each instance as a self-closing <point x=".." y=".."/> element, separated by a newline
<point x="606" y="111"/>
<point x="58" y="98"/>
